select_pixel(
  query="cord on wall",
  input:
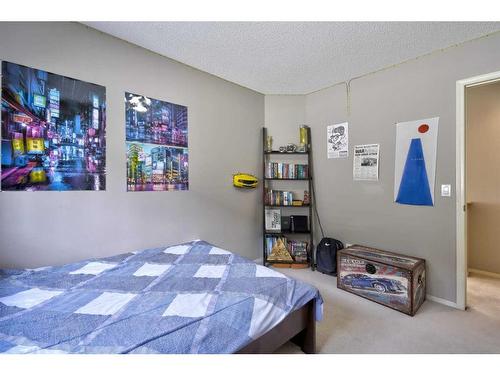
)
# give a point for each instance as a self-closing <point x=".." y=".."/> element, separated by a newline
<point x="348" y="97"/>
<point x="348" y="83"/>
<point x="316" y="207"/>
<point x="459" y="44"/>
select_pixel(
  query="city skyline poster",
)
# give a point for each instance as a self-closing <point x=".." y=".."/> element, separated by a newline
<point x="157" y="144"/>
<point x="53" y="131"/>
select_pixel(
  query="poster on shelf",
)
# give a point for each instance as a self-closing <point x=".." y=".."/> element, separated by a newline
<point x="415" y="162"/>
<point x="53" y="131"/>
<point x="365" y="163"/>
<point x="157" y="144"/>
<point x="337" y="140"/>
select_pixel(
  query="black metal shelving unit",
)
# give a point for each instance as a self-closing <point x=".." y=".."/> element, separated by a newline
<point x="310" y="233"/>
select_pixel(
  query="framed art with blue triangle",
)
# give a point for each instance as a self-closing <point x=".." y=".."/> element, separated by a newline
<point x="415" y="162"/>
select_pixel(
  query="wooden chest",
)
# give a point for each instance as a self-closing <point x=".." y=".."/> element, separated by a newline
<point x="394" y="280"/>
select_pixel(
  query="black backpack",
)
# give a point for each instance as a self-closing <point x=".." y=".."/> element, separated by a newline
<point x="326" y="255"/>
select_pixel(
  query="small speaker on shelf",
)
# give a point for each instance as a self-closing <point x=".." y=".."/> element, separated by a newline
<point x="298" y="223"/>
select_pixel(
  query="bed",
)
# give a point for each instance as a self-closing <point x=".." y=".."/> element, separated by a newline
<point x="188" y="298"/>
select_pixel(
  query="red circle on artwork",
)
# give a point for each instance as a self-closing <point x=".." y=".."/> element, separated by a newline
<point x="423" y="128"/>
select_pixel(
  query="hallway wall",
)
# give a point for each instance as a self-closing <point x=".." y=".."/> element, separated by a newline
<point x="483" y="176"/>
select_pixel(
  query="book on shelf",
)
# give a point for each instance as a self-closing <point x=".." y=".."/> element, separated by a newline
<point x="297" y="249"/>
<point x="273" y="219"/>
<point x="287" y="170"/>
<point x="280" y="198"/>
<point x="285" y="223"/>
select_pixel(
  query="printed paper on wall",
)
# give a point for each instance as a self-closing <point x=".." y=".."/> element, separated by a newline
<point x="415" y="168"/>
<point x="337" y="140"/>
<point x="365" y="163"/>
<point x="53" y="131"/>
<point x="157" y="144"/>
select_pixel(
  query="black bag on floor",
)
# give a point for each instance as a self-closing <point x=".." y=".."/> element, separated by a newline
<point x="326" y="255"/>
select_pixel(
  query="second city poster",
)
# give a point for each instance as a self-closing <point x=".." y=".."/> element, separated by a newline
<point x="157" y="144"/>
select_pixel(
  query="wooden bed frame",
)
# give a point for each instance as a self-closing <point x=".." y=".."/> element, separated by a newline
<point x="299" y="327"/>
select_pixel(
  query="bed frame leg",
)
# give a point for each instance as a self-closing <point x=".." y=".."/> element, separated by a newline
<point x="306" y="338"/>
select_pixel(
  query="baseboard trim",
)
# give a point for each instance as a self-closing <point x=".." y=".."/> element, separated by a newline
<point x="485" y="273"/>
<point x="442" y="301"/>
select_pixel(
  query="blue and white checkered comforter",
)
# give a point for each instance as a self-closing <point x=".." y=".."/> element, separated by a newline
<point x="189" y="298"/>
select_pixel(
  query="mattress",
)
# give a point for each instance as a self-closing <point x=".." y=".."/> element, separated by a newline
<point x="188" y="298"/>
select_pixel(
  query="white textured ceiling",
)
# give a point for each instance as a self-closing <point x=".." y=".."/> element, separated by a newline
<point x="293" y="57"/>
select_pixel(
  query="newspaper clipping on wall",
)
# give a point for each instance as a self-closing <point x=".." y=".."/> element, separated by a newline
<point x="337" y="140"/>
<point x="366" y="159"/>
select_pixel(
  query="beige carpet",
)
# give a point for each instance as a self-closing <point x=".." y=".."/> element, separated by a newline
<point x="352" y="324"/>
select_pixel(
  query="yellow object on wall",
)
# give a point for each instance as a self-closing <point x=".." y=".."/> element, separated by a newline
<point x="244" y="180"/>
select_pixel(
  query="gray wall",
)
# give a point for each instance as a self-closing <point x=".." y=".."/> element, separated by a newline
<point x="364" y="212"/>
<point x="40" y="228"/>
<point x="284" y="114"/>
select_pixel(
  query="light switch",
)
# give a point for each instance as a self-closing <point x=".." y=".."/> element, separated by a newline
<point x="446" y="190"/>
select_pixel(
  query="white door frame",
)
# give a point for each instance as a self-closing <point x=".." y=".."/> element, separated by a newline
<point x="461" y="203"/>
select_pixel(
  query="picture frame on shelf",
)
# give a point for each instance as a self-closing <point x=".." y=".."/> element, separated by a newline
<point x="273" y="220"/>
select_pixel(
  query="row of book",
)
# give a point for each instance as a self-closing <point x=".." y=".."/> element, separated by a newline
<point x="287" y="170"/>
<point x="278" y="198"/>
<point x="296" y="248"/>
